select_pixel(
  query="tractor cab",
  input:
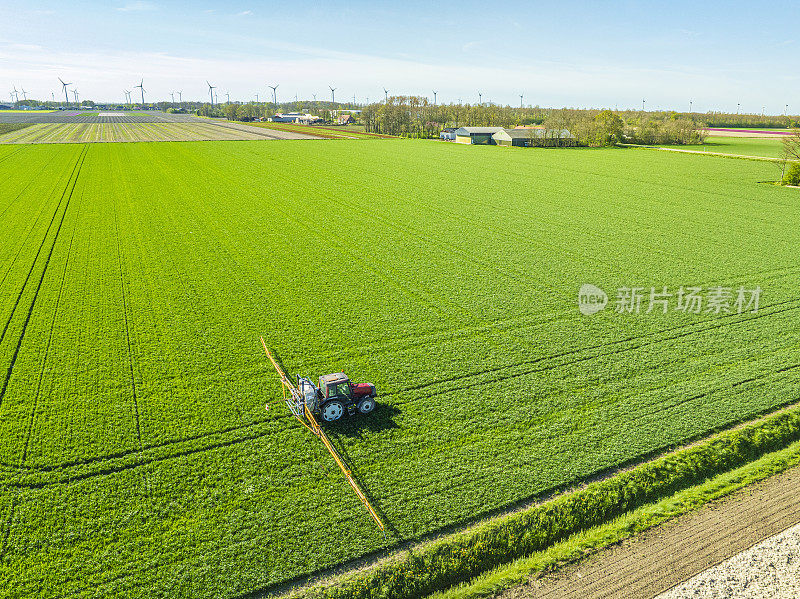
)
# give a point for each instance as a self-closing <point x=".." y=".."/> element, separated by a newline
<point x="335" y="386"/>
<point x="338" y="395"/>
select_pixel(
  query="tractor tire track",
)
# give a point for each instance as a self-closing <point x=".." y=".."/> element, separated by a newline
<point x="128" y="332"/>
<point x="32" y="421"/>
<point x="70" y="478"/>
<point x="108" y="457"/>
<point x="128" y="452"/>
<point x="647" y="342"/>
<point x="420" y="236"/>
<point x="68" y="191"/>
<point x="22" y="245"/>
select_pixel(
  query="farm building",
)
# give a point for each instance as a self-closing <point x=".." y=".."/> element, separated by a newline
<point x="533" y="137"/>
<point x="476" y="135"/>
<point x="294" y="117"/>
<point x="345" y="119"/>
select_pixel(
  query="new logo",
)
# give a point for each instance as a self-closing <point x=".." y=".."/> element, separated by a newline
<point x="591" y="299"/>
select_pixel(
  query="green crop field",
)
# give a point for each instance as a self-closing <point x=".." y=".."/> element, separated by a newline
<point x="136" y="455"/>
<point x="745" y="146"/>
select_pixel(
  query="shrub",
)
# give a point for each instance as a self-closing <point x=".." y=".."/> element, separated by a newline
<point x="792" y="176"/>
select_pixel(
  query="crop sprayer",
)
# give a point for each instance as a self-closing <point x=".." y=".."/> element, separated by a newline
<point x="334" y="396"/>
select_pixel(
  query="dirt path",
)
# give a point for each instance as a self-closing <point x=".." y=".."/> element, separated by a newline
<point x="657" y="560"/>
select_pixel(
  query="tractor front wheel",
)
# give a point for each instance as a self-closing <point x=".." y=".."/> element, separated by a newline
<point x="332" y="410"/>
<point x="366" y="405"/>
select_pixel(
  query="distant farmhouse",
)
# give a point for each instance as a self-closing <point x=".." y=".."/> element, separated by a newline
<point x="301" y="118"/>
<point x="345" y="119"/>
<point x="528" y="137"/>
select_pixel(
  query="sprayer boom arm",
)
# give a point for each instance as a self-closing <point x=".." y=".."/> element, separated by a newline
<point x="300" y="411"/>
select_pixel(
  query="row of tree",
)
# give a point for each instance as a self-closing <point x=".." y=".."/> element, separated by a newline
<point x="413" y="116"/>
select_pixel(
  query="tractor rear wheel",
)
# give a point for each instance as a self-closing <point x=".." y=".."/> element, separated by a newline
<point x="332" y="410"/>
<point x="366" y="405"/>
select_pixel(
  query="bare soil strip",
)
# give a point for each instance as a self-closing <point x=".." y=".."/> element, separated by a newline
<point x="660" y="558"/>
<point x="768" y="570"/>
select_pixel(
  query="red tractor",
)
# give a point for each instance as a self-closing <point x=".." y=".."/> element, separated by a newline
<point x="337" y="395"/>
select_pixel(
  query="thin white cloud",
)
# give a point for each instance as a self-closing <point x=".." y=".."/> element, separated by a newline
<point x="244" y="13"/>
<point x="137" y="5"/>
<point x="308" y="70"/>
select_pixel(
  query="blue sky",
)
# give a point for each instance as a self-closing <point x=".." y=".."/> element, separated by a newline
<point x="598" y="54"/>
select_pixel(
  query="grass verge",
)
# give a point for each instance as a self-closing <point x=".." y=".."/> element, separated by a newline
<point x="462" y="557"/>
<point x="592" y="540"/>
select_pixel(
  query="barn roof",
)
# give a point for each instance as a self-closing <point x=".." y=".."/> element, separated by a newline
<point x="471" y="130"/>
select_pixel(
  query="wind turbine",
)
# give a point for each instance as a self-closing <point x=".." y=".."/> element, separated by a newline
<point x="434" y="97"/>
<point x="210" y="91"/>
<point x="75" y="93"/>
<point x="385" y="95"/>
<point x="690" y="106"/>
<point x="127" y="96"/>
<point x="64" y="85"/>
<point x="15" y="95"/>
<point x="315" y="97"/>
<point x="333" y="97"/>
<point x="24" y="94"/>
<point x="53" y="96"/>
<point x="480" y="97"/>
<point x="256" y="98"/>
<point x="172" y="95"/>
<point x="274" y="94"/>
<point x="141" y="88"/>
<point x="228" y="96"/>
<point x="180" y="97"/>
<point x="520" y="100"/>
<point x="643" y="105"/>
